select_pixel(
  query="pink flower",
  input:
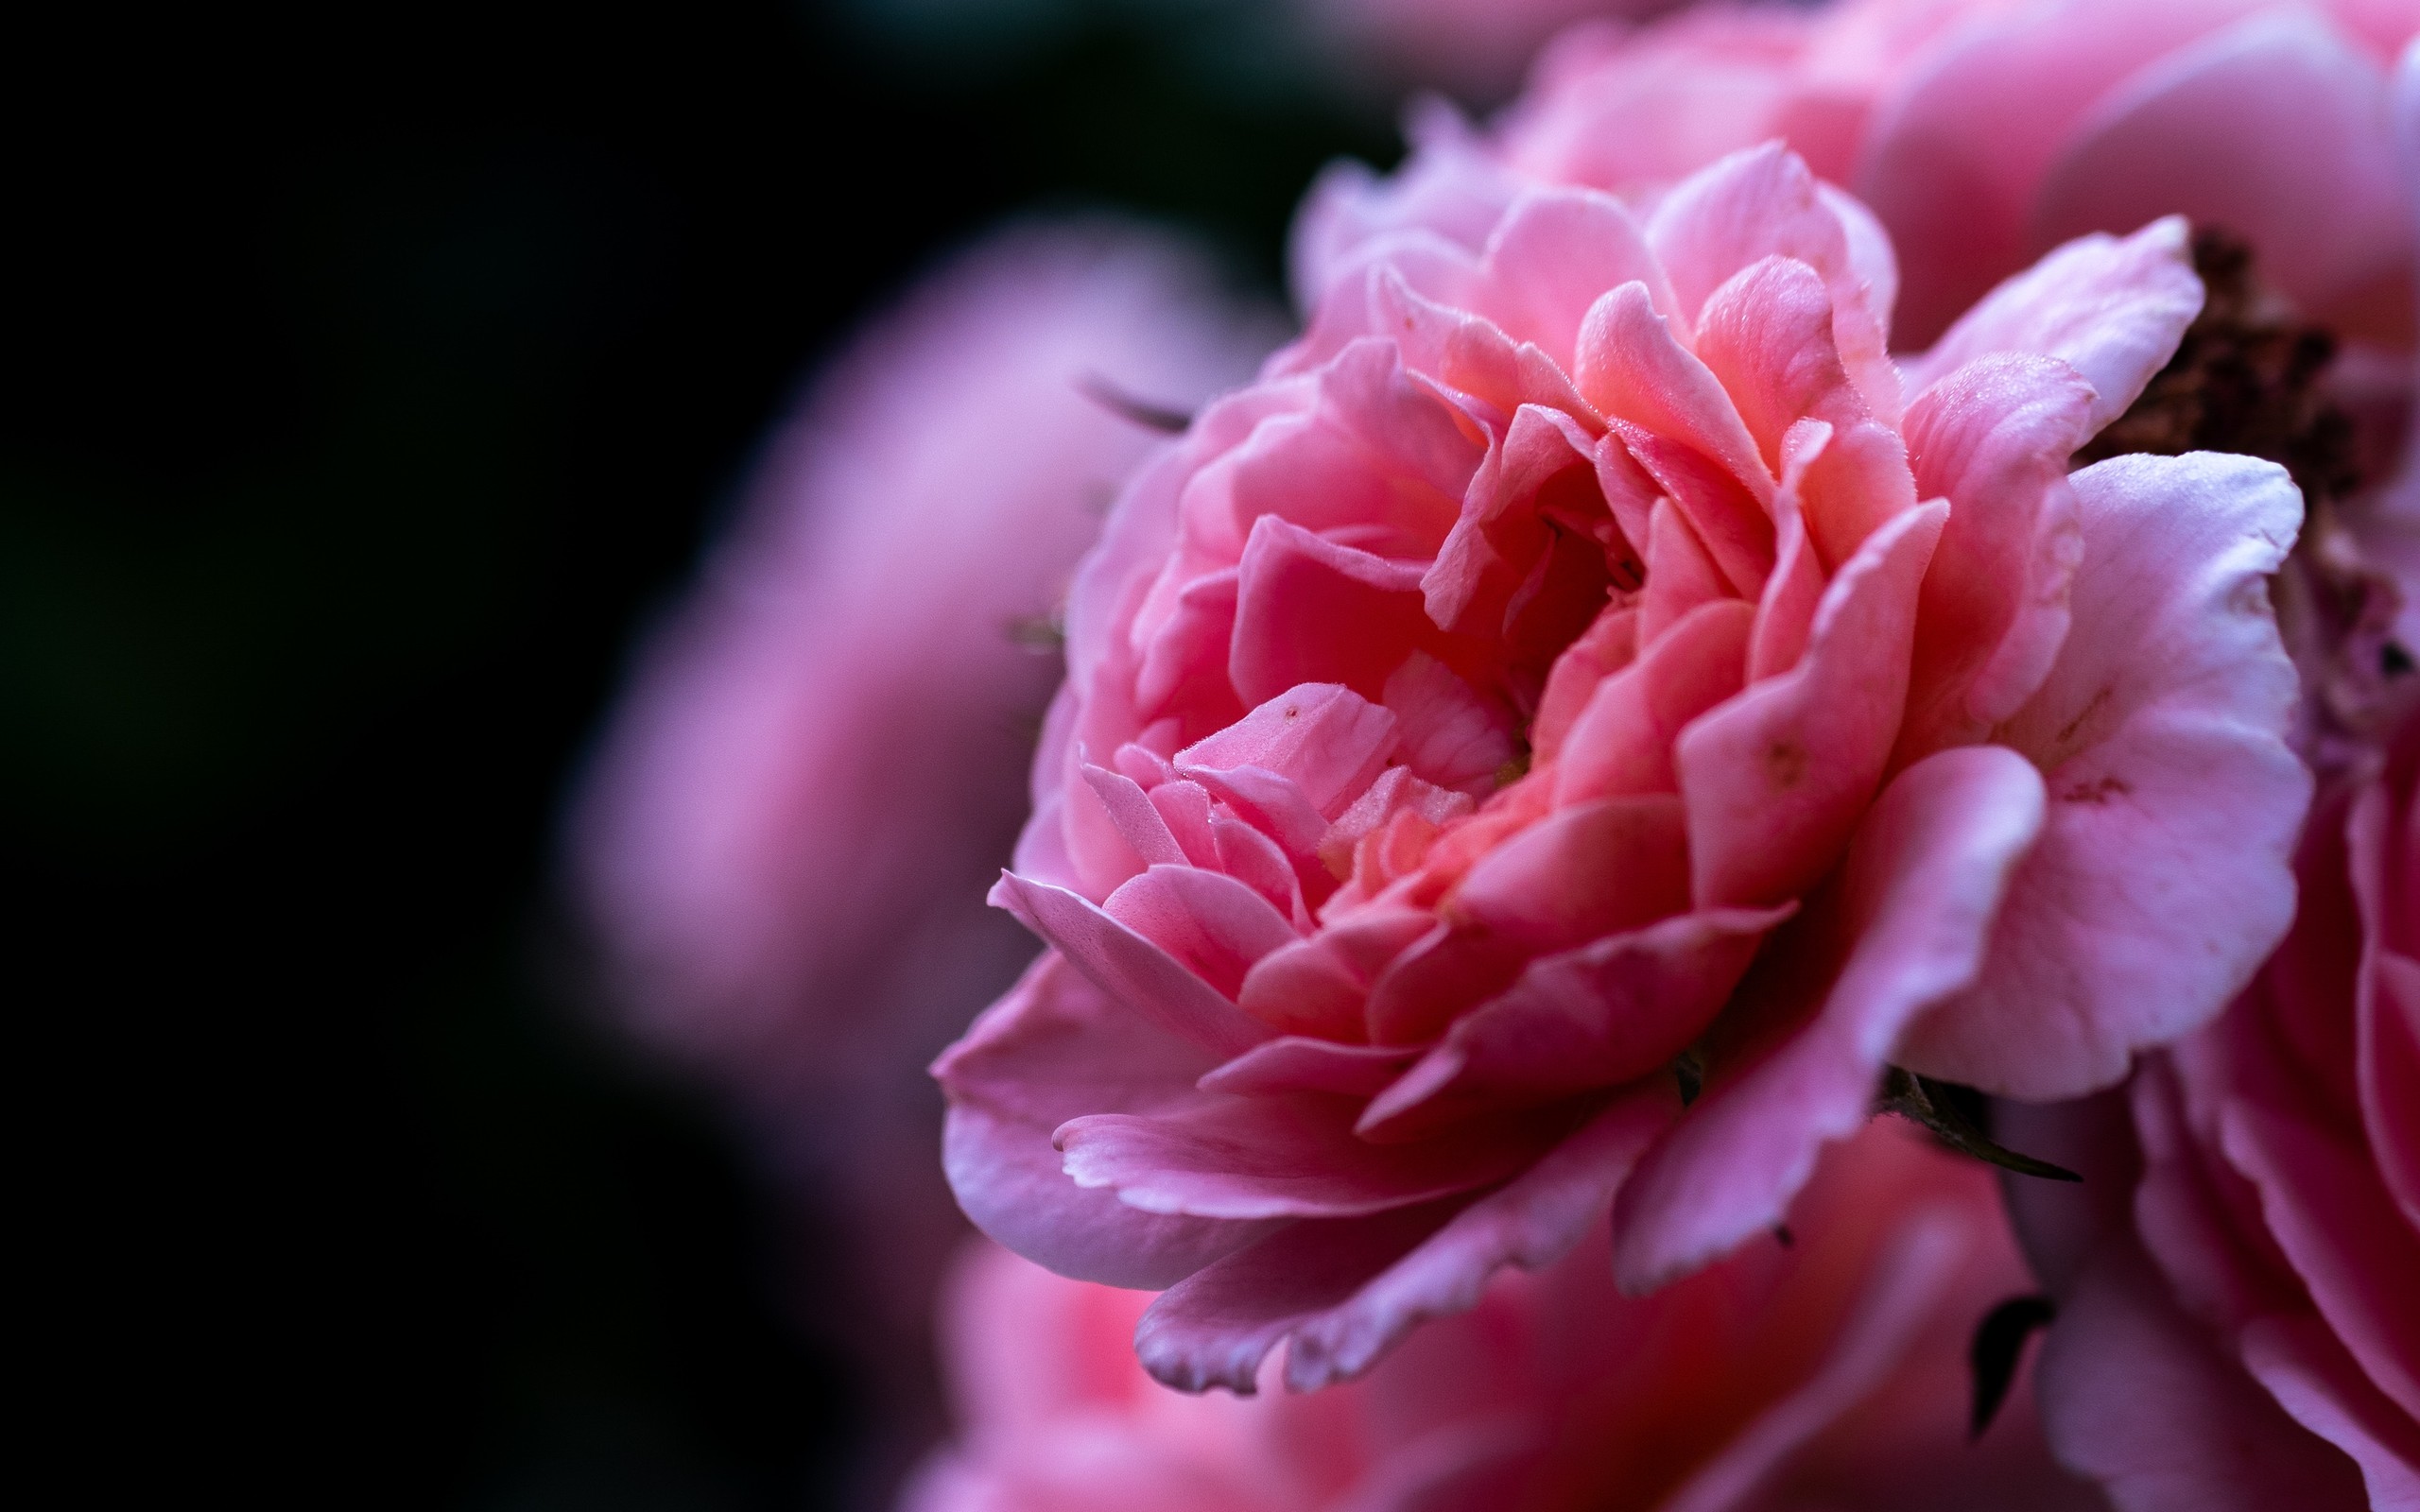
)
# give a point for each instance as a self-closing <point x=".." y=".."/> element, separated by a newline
<point x="2256" y="1304"/>
<point x="783" y="842"/>
<point x="1828" y="1374"/>
<point x="1573" y="667"/>
<point x="1983" y="132"/>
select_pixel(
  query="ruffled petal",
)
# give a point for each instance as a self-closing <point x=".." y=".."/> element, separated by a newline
<point x="1345" y="1293"/>
<point x="1777" y="779"/>
<point x="1055" y="1047"/>
<point x="2161" y="878"/>
<point x="1901" y="927"/>
<point x="1994" y="439"/>
<point x="1135" y="972"/>
<point x="2112" y="308"/>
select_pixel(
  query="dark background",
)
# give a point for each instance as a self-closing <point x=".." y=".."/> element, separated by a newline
<point x="367" y="381"/>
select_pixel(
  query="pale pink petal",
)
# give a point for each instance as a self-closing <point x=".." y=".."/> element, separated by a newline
<point x="1135" y="972"/>
<point x="1785" y="614"/>
<point x="1777" y="779"/>
<point x="1606" y="647"/>
<point x="1284" y="1156"/>
<point x="2274" y="128"/>
<point x="2162" y="877"/>
<point x="1900" y="928"/>
<point x="1055" y="1047"/>
<point x="1550" y="257"/>
<point x="2111" y="308"/>
<point x="2137" y="1396"/>
<point x="1994" y="438"/>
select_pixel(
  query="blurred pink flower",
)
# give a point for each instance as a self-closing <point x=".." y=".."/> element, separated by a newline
<point x="783" y="843"/>
<point x="2256" y="1301"/>
<point x="1983" y="132"/>
<point x="1828" y="1374"/>
<point x="1574" y="661"/>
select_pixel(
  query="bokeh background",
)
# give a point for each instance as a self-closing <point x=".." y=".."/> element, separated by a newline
<point x="371" y="377"/>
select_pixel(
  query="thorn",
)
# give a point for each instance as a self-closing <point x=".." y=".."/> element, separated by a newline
<point x="1935" y="1104"/>
<point x="1126" y="406"/>
<point x="1999" y="1344"/>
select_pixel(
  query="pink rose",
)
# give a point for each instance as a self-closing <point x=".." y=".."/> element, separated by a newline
<point x="1575" y="669"/>
<point x="1828" y="1374"/>
<point x="1983" y="132"/>
<point x="783" y="842"/>
<point x="2257" y="1303"/>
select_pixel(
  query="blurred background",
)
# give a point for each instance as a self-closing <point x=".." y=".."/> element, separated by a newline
<point x="371" y="379"/>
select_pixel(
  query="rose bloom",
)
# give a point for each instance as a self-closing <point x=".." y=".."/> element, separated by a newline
<point x="2246" y="1301"/>
<point x="1585" y="666"/>
<point x="1825" y="1375"/>
<point x="781" y="844"/>
<point x="1983" y="132"/>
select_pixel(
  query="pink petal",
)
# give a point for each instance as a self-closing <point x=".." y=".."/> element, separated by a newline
<point x="1961" y="143"/>
<point x="1785" y="614"/>
<point x="1607" y="646"/>
<point x="1321" y="985"/>
<point x="2336" y="1222"/>
<point x="1347" y="1293"/>
<point x="1448" y="733"/>
<point x="1139" y="822"/>
<point x="1680" y="575"/>
<point x="2136" y="1395"/>
<point x="1992" y="438"/>
<point x="1736" y="530"/>
<point x="1310" y="611"/>
<point x="1184" y="666"/>
<point x="2389" y="1068"/>
<point x="1849" y="486"/>
<point x="1553" y="254"/>
<point x="1901" y="927"/>
<point x="1762" y="204"/>
<point x="1609" y="1012"/>
<point x="1500" y="531"/>
<point x="1396" y="790"/>
<point x="2111" y="308"/>
<point x="1630" y="366"/>
<point x="2161" y="878"/>
<point x="2275" y="128"/>
<point x="1056" y="1046"/>
<point x="1777" y="778"/>
<point x="1295" y="1064"/>
<point x="1217" y="926"/>
<point x="1622" y="742"/>
<point x="1327" y="740"/>
<point x="1284" y="1156"/>
<point x="2305" y="1367"/>
<point x="1583" y="872"/>
<point x="1766" y="335"/>
<point x="1134" y="972"/>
